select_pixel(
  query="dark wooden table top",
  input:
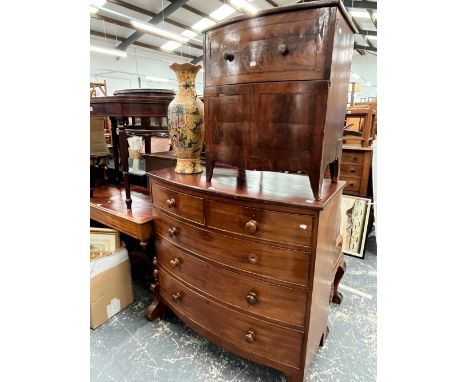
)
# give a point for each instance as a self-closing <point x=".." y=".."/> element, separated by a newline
<point x="112" y="200"/>
<point x="273" y="187"/>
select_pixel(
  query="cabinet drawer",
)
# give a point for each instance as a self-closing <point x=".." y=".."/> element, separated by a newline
<point x="269" y="225"/>
<point x="352" y="184"/>
<point x="187" y="206"/>
<point x="351" y="157"/>
<point x="272" y="263"/>
<point x="271" y="341"/>
<point x="255" y="296"/>
<point x="274" y="48"/>
<point x="350" y="170"/>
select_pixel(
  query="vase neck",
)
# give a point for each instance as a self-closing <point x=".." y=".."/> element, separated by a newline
<point x="187" y="89"/>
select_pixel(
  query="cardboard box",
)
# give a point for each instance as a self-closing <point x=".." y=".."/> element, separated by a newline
<point x="110" y="286"/>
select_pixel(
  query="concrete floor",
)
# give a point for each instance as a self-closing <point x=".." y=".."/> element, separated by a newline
<point x="130" y="348"/>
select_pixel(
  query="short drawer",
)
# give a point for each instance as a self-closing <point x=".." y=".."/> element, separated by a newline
<point x="351" y="170"/>
<point x="274" y="226"/>
<point x="184" y="205"/>
<point x="259" y="297"/>
<point x="352" y="157"/>
<point x="241" y="330"/>
<point x="275" y="48"/>
<point x="273" y="263"/>
<point x="352" y="184"/>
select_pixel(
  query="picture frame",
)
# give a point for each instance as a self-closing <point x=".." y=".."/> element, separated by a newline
<point x="103" y="241"/>
<point x="355" y="213"/>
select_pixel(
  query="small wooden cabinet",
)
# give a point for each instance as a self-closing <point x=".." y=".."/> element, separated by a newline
<point x="250" y="263"/>
<point x="275" y="89"/>
<point x="355" y="170"/>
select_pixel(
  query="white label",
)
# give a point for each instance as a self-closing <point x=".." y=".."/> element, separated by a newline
<point x="90" y="108"/>
<point x="253" y="63"/>
<point x="113" y="307"/>
<point x="303" y="226"/>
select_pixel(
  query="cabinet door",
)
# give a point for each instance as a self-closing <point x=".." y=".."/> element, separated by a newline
<point x="227" y="122"/>
<point x="288" y="122"/>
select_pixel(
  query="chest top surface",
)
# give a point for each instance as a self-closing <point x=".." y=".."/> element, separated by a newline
<point x="269" y="187"/>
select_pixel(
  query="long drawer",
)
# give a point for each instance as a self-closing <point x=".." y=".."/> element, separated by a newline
<point x="259" y="297"/>
<point x="253" y="335"/>
<point x="275" y="226"/>
<point x="273" y="263"/>
<point x="350" y="170"/>
<point x="352" y="184"/>
<point x="352" y="157"/>
<point x="178" y="203"/>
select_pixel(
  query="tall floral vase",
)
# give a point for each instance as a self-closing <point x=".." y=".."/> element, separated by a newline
<point x="185" y="120"/>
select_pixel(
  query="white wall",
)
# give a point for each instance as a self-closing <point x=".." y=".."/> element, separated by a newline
<point x="124" y="73"/>
<point x="366" y="68"/>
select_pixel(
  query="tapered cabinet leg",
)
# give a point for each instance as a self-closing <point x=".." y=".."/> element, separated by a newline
<point x="209" y="169"/>
<point x="337" y="296"/>
<point x="334" y="169"/>
<point x="297" y="376"/>
<point x="315" y="185"/>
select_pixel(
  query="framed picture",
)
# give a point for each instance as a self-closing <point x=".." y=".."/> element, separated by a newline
<point x="354" y="220"/>
<point x="103" y="241"/>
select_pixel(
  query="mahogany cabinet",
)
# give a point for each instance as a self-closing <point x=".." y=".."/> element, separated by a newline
<point x="276" y="89"/>
<point x="249" y="263"/>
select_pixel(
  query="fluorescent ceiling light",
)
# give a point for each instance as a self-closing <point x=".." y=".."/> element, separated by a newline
<point x="157" y="31"/>
<point x="171" y="45"/>
<point x="222" y="12"/>
<point x="374" y="13"/>
<point x="355" y="75"/>
<point x="159" y="79"/>
<point x="360" y="14"/>
<point x="372" y="37"/>
<point x="114" y="52"/>
<point x="93" y="10"/>
<point x="189" y="34"/>
<point x="244" y="5"/>
<point x="99" y="3"/>
<point x="203" y="24"/>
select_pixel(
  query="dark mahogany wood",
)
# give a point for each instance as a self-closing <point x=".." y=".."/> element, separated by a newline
<point x="108" y="207"/>
<point x="126" y="104"/>
<point x="276" y="88"/>
<point x="247" y="262"/>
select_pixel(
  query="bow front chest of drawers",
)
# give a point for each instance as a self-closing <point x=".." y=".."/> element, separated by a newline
<point x="247" y="262"/>
<point x="276" y="87"/>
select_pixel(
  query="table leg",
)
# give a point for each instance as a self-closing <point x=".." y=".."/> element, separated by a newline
<point x="124" y="159"/>
<point x="115" y="148"/>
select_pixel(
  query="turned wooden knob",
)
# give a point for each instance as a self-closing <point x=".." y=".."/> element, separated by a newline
<point x="228" y="56"/>
<point x="155" y="274"/>
<point x="176" y="296"/>
<point x="251" y="226"/>
<point x="172" y="231"/>
<point x="253" y="258"/>
<point x="251" y="298"/>
<point x="170" y="203"/>
<point x="250" y="336"/>
<point x="283" y="49"/>
<point x="176" y="261"/>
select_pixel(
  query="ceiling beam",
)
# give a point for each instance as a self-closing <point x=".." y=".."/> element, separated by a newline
<point x="360" y="4"/>
<point x="142" y="44"/>
<point x="372" y="17"/>
<point x="272" y="3"/>
<point x="196" y="11"/>
<point x="362" y="47"/>
<point x="171" y="8"/>
<point x="196" y="60"/>
<point x="130" y="26"/>
<point x="367" y="32"/>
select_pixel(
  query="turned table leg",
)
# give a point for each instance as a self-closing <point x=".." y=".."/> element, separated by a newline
<point x="156" y="308"/>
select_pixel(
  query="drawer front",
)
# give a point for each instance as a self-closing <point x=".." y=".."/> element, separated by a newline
<point x="255" y="296"/>
<point x="187" y="206"/>
<point x="352" y="157"/>
<point x="352" y="184"/>
<point x="271" y="341"/>
<point x="257" y="259"/>
<point x="291" y="46"/>
<point x="351" y="170"/>
<point x="275" y="226"/>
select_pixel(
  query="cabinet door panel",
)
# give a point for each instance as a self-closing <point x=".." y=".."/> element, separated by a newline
<point x="288" y="124"/>
<point x="227" y="122"/>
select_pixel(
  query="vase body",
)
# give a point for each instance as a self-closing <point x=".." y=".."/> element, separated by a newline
<point x="185" y="120"/>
